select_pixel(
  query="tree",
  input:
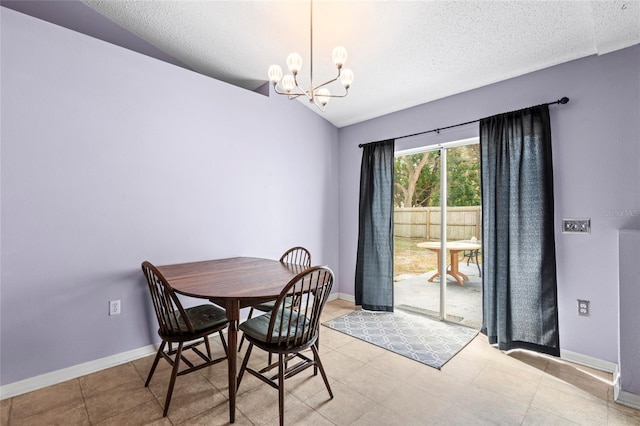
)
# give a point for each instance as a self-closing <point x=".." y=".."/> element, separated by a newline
<point x="413" y="183"/>
<point x="417" y="178"/>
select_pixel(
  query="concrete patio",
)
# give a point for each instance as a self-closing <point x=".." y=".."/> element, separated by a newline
<point x="414" y="293"/>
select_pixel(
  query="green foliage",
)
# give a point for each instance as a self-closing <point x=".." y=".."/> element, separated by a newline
<point x="417" y="179"/>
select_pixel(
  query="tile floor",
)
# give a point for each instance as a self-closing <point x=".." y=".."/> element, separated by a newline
<point x="480" y="386"/>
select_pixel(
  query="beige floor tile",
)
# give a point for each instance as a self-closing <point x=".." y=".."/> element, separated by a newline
<point x="491" y="406"/>
<point x="336" y="364"/>
<point x="5" y="410"/>
<point x="345" y="408"/>
<point x="109" y="378"/>
<point x="571" y="405"/>
<point x="379" y="415"/>
<point x="72" y="413"/>
<point x="361" y="350"/>
<point x="584" y="378"/>
<point x="303" y="415"/>
<point x="622" y="417"/>
<point x="143" y="366"/>
<point x="194" y="399"/>
<point x="63" y="394"/>
<point x="580" y="385"/>
<point x="462" y="418"/>
<point x="509" y="385"/>
<point x="414" y="403"/>
<point x="623" y="408"/>
<point x="304" y="385"/>
<point x="509" y="365"/>
<point x="144" y="414"/>
<point x="532" y="359"/>
<point x="160" y="383"/>
<point x="332" y="339"/>
<point x="260" y="404"/>
<point x="102" y="405"/>
<point x="439" y="385"/>
<point x="395" y="365"/>
<point x="337" y="308"/>
<point x="218" y="415"/>
<point x="372" y="382"/>
<point x="538" y="417"/>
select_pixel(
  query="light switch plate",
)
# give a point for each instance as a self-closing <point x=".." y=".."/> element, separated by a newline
<point x="576" y="226"/>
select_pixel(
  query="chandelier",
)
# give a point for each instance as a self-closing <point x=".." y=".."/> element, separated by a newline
<point x="318" y="95"/>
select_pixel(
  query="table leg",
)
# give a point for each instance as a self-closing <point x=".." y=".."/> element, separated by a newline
<point x="233" y="315"/>
<point x="455" y="273"/>
<point x="437" y="274"/>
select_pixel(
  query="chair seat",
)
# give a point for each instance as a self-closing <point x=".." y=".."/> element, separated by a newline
<point x="268" y="306"/>
<point x="258" y="327"/>
<point x="203" y="317"/>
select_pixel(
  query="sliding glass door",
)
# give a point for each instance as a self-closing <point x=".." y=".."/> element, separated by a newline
<point x="433" y="236"/>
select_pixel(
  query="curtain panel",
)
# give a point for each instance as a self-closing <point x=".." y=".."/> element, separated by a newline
<point x="374" y="264"/>
<point x="519" y="256"/>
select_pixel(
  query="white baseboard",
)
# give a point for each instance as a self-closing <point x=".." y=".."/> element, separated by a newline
<point x="598" y="364"/>
<point x="626" y="398"/>
<point x="59" y="376"/>
<point x="347" y="297"/>
<point x="623" y="397"/>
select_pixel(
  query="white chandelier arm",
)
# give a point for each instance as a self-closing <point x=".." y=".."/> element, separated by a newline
<point x="338" y="96"/>
<point x="282" y="92"/>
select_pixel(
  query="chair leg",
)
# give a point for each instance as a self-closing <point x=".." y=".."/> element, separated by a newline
<point x="316" y="358"/>
<point x="174" y="374"/>
<point x="206" y="343"/>
<point x="315" y="367"/>
<point x="155" y="363"/>
<point x="281" y="358"/>
<point x="478" y="265"/>
<point x="244" y="366"/>
<point x="224" y="343"/>
<point x="242" y="338"/>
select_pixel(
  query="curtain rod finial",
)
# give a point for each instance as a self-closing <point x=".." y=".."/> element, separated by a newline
<point x="564" y="100"/>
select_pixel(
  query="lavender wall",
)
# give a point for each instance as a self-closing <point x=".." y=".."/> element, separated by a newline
<point x="110" y="158"/>
<point x="596" y="140"/>
<point x="629" y="246"/>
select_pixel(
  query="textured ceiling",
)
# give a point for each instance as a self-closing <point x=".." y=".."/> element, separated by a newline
<point x="403" y="53"/>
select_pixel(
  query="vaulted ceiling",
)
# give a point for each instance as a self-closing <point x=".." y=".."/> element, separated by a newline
<point x="403" y="53"/>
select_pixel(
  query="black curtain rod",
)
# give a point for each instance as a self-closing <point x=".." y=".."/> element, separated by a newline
<point x="562" y="101"/>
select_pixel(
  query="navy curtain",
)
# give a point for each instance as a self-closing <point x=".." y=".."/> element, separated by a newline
<point x="374" y="265"/>
<point x="519" y="279"/>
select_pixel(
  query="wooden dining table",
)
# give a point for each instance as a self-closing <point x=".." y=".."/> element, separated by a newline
<point x="454" y="247"/>
<point x="233" y="283"/>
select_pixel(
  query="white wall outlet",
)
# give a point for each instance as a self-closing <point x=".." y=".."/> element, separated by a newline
<point x="114" y="307"/>
<point x="576" y="226"/>
<point x="583" y="308"/>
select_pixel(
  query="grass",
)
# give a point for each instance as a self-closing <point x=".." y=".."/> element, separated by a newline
<point x="410" y="259"/>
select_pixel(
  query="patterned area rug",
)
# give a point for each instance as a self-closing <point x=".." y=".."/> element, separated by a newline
<point x="428" y="341"/>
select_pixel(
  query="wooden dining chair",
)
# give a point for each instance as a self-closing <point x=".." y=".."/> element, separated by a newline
<point x="295" y="256"/>
<point x="179" y="325"/>
<point x="290" y="328"/>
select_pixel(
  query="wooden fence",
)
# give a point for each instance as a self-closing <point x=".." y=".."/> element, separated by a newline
<point x="424" y="222"/>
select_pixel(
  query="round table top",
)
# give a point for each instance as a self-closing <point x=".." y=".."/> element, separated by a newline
<point x="452" y="245"/>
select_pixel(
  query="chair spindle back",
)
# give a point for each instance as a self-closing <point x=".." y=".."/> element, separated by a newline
<point x="297" y="256"/>
<point x="294" y="325"/>
<point x="172" y="318"/>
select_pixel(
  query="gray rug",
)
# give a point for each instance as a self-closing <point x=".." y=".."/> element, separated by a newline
<point x="425" y="340"/>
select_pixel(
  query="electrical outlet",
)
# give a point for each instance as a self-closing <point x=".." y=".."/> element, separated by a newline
<point x="583" y="308"/>
<point x="576" y="226"/>
<point x="114" y="307"/>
